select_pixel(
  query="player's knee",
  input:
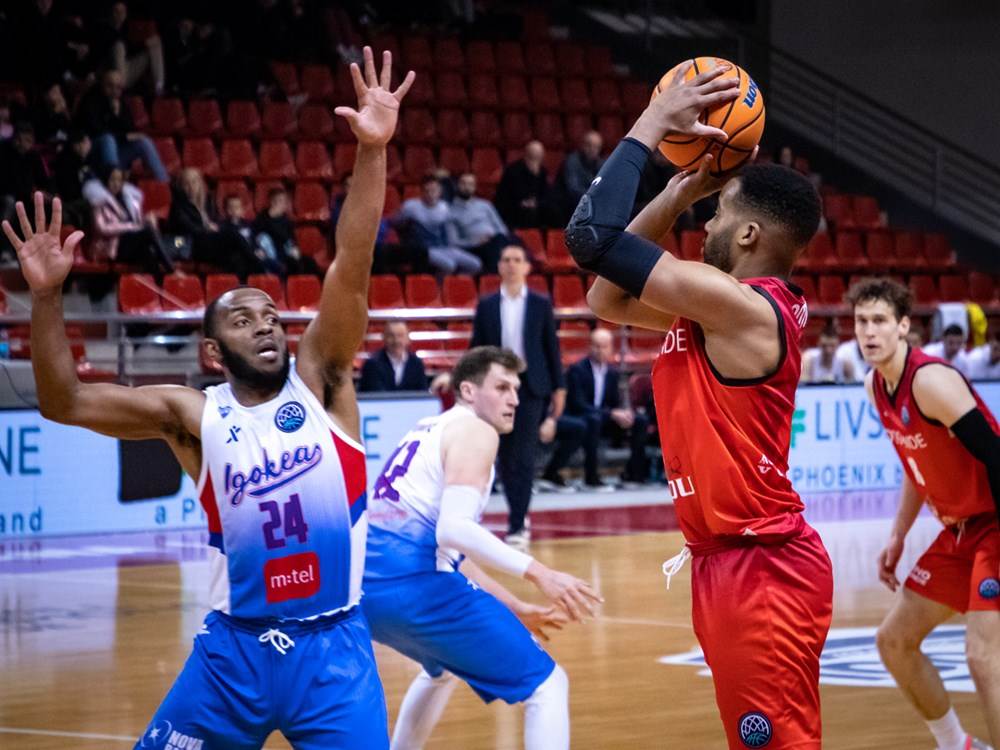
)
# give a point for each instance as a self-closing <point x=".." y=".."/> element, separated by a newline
<point x="554" y="689"/>
<point x="893" y="641"/>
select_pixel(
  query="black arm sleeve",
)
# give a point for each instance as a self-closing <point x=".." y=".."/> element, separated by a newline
<point x="981" y="441"/>
<point x="596" y="235"/>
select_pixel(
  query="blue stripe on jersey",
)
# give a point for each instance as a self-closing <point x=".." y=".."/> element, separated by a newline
<point x="358" y="507"/>
<point x="215" y="540"/>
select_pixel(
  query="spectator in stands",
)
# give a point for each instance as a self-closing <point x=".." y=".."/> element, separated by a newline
<point x="246" y="257"/>
<point x="121" y="231"/>
<point x="70" y="170"/>
<point x="21" y="173"/>
<point x="951" y="348"/>
<point x="820" y="363"/>
<point x="984" y="361"/>
<point x="523" y="188"/>
<point x="275" y="235"/>
<point x="915" y="336"/>
<point x="786" y="157"/>
<point x="575" y="176"/>
<point x="393" y="367"/>
<point x="593" y="407"/>
<point x="850" y="361"/>
<point x="474" y="224"/>
<point x="103" y="115"/>
<point x="522" y="321"/>
<point x="423" y="221"/>
<point x="112" y="49"/>
<point x="51" y="118"/>
<point x="6" y="124"/>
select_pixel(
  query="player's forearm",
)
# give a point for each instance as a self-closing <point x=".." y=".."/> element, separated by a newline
<point x="480" y="546"/>
<point x="51" y="358"/>
<point x="359" y="220"/>
<point x="489" y="584"/>
<point x="910" y="503"/>
<point x="558" y="403"/>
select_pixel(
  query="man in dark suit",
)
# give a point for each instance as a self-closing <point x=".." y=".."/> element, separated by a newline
<point x="393" y="367"/>
<point x="518" y="319"/>
<point x="593" y="409"/>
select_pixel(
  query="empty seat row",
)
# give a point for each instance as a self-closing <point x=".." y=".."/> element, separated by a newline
<point x="140" y="294"/>
<point x="879" y="249"/>
<point x="422" y="290"/>
<point x="829" y="289"/>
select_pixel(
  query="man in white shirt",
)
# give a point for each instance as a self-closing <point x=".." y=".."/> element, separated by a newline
<point x="820" y="363"/>
<point x="950" y="349"/>
<point x="851" y="362"/>
<point x="984" y="361"/>
<point x="394" y="367"/>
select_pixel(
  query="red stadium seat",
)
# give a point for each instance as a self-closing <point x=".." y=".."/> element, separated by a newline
<point x="483" y="92"/>
<point x="310" y="241"/>
<point x="182" y="292"/>
<point x="422" y="291"/>
<point x="448" y="54"/>
<point x="270" y="285"/>
<point x="461" y="342"/>
<point x="312" y="161"/>
<point x="416" y="53"/>
<point x="574" y="340"/>
<point x="137" y="111"/>
<point x="599" y="62"/>
<point x="238" y="159"/>
<point x="168" y="117"/>
<point x="225" y="188"/>
<point x="576" y="125"/>
<point x="419" y="126"/>
<point x="417" y="161"/>
<point x="567" y="291"/>
<point x="514" y="93"/>
<point x="450" y="88"/>
<point x="575" y="96"/>
<point x="304" y="292"/>
<point x="510" y="58"/>
<point x="479" y="56"/>
<point x="421" y="93"/>
<point x="850" y="253"/>
<point x="489" y="283"/>
<point x="981" y="288"/>
<point x="287" y="77"/>
<point x="692" y="243"/>
<point x="200" y="154"/>
<point x="385" y="40"/>
<point x="261" y="190"/>
<point x="156" y="197"/>
<point x="545" y="95"/>
<point x="549" y="130"/>
<point x="276" y="161"/>
<point x="317" y="82"/>
<point x="459" y="291"/>
<point x="820" y="252"/>
<point x="539" y="284"/>
<point x="516" y="129"/>
<point x="138" y="294"/>
<point x="924" y="290"/>
<point x="484" y="128"/>
<point x="343" y="159"/>
<point x="392" y="200"/>
<point x="3" y="302"/>
<point x="385" y="291"/>
<point x="556" y="253"/>
<point x="881" y="247"/>
<point x="393" y="163"/>
<point x="315" y="122"/>
<point x="278" y="120"/>
<point x="831" y="290"/>
<point x="954" y="288"/>
<point x="910" y="248"/>
<point x="553" y="162"/>
<point x="866" y="212"/>
<point x="838" y="209"/>
<point x="533" y="243"/>
<point x="808" y="287"/>
<point x="243" y="120"/>
<point x="204" y="117"/>
<point x="452" y="128"/>
<point x="938" y="251"/>
<point x="539" y="59"/>
<point x="217" y="284"/>
<point x="454" y="159"/>
<point x="570" y="60"/>
<point x="486" y="165"/>
<point x="605" y="96"/>
<point x="612" y="130"/>
<point x="312" y="203"/>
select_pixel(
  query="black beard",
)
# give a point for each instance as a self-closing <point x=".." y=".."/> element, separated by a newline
<point x="246" y="374"/>
<point x="717" y="252"/>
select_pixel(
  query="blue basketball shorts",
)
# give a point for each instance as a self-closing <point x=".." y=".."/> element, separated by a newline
<point x="237" y="687"/>
<point x="444" y="622"/>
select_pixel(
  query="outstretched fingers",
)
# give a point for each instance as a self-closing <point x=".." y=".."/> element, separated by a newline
<point x="400" y="92"/>
<point x="385" y="78"/>
<point x="39" y="212"/>
<point x="12" y="235"/>
<point x="360" y="89"/>
<point x="371" y="77"/>
<point x="69" y="246"/>
<point x="55" y="226"/>
<point x="22" y="217"/>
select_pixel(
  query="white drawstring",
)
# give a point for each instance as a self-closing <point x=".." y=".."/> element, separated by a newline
<point x="673" y="566"/>
<point x="279" y="640"/>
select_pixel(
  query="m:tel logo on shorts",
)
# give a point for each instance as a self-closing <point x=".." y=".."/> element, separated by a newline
<point x="291" y="577"/>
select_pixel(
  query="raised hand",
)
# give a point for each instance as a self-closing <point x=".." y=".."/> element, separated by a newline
<point x="690" y="186"/>
<point x="45" y="262"/>
<point x="374" y="121"/>
<point x="573" y="595"/>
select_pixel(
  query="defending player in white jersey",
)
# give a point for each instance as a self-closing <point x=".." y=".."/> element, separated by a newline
<point x="425" y="515"/>
<point x="280" y="470"/>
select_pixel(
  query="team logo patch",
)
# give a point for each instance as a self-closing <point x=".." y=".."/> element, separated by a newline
<point x="851" y="658"/>
<point x="290" y="416"/>
<point x="755" y="729"/>
<point x="905" y="415"/>
<point x="224" y="411"/>
<point x="989" y="588"/>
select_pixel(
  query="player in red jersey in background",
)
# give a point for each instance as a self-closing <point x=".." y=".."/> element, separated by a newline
<point x="949" y="446"/>
<point x="724" y="385"/>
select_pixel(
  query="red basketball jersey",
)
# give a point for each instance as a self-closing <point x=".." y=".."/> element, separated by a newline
<point x="725" y="442"/>
<point x="952" y="479"/>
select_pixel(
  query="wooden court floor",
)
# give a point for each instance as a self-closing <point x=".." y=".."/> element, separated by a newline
<point x="86" y="655"/>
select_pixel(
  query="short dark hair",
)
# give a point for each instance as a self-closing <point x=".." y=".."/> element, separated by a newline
<point x="953" y="330"/>
<point x="830" y="329"/>
<point x="429" y="177"/>
<point x="476" y="363"/>
<point x="275" y="192"/>
<point x="518" y="246"/>
<point x="886" y="290"/>
<point x="209" y="324"/>
<point x="784" y="196"/>
<point x="232" y="197"/>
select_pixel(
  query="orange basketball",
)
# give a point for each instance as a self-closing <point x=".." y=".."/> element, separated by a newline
<point x="742" y="119"/>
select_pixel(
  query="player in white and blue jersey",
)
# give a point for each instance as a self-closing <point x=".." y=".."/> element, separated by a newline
<point x="281" y="477"/>
<point x="425" y="513"/>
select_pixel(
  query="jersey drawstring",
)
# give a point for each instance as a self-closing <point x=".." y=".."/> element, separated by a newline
<point x="673" y="566"/>
<point x="279" y="640"/>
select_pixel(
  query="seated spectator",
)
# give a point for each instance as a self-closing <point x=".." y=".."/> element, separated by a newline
<point x="246" y="257"/>
<point x="70" y="170"/>
<point x="474" y="224"/>
<point x="984" y="361"/>
<point x="422" y="222"/>
<point x="21" y="173"/>
<point x="121" y="232"/>
<point x="102" y="114"/>
<point x="51" y="118"/>
<point x="951" y="349"/>
<point x="593" y="409"/>
<point x="275" y="235"/>
<point x="851" y="362"/>
<point x="820" y="363"/>
<point x="113" y="49"/>
<point x="575" y="176"/>
<point x="523" y="188"/>
<point x="393" y="367"/>
<point x="915" y="336"/>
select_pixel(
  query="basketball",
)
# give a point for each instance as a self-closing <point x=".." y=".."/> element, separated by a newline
<point x="742" y="119"/>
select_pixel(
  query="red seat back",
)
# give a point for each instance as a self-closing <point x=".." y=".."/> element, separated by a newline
<point x="304" y="292"/>
<point x="182" y="292"/>
<point x="138" y="293"/>
<point x="270" y="285"/>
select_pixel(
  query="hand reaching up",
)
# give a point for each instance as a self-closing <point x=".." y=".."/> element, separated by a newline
<point x="374" y="121"/>
<point x="45" y="262"/>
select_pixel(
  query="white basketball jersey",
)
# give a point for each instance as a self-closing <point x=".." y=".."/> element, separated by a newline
<point x="284" y="491"/>
<point x="406" y="503"/>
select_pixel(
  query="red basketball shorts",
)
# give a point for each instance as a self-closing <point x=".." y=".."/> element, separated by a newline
<point x="761" y="614"/>
<point x="961" y="569"/>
